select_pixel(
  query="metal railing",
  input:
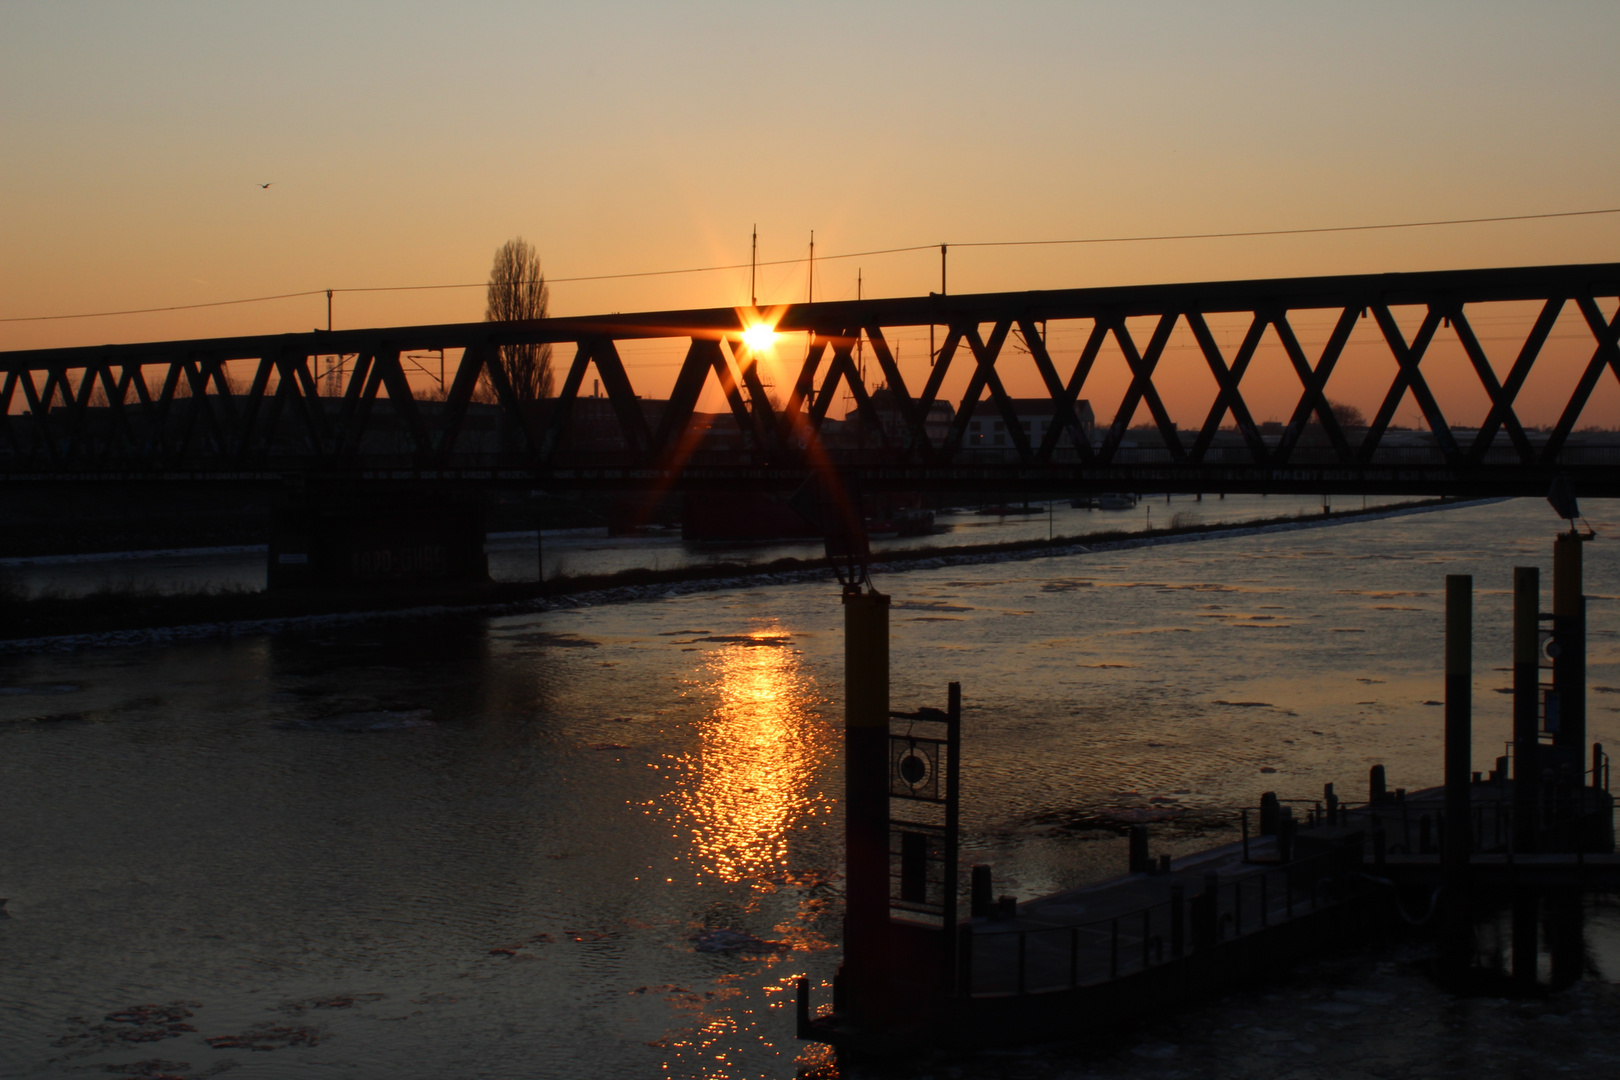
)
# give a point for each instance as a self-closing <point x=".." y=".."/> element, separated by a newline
<point x="1045" y="959"/>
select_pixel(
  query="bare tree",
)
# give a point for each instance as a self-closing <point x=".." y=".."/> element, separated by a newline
<point x="1347" y="414"/>
<point x="517" y="291"/>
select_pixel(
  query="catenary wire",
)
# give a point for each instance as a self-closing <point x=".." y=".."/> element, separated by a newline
<point x="1146" y="238"/>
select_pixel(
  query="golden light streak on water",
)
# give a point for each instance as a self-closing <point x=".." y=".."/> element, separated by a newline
<point x="755" y="775"/>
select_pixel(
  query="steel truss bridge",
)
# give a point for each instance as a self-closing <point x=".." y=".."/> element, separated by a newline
<point x="172" y="411"/>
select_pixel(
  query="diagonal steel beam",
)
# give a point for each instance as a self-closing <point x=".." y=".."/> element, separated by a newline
<point x="562" y="406"/>
<point x="8" y="394"/>
<point x="843" y="363"/>
<point x="721" y="366"/>
<point x="1406" y="358"/>
<point x="251" y="408"/>
<point x="512" y="405"/>
<point x="1502" y="404"/>
<point x="986" y="354"/>
<point x="912" y="411"/>
<point x="683" y="397"/>
<point x="453" y="414"/>
<point x="983" y="373"/>
<point x="1228" y="398"/>
<point x="1604" y="331"/>
<point x="1063" y="414"/>
<point x="1314" y="399"/>
<point x="1141" y="388"/>
<point x="762" y="419"/>
<point x="622" y="396"/>
<point x="349" y="403"/>
<point x="941" y="365"/>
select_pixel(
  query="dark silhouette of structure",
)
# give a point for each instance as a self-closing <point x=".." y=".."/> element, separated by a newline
<point x="173" y="415"/>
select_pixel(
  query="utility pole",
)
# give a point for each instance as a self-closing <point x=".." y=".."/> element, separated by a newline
<point x="933" y="357"/>
<point x="328" y="311"/>
<point x="812" y="294"/>
<point x="860" y="342"/>
<point x="753" y="266"/>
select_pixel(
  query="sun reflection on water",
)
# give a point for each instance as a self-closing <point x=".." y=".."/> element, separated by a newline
<point x="755" y="773"/>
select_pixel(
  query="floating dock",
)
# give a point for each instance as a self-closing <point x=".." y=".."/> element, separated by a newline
<point x="1534" y="831"/>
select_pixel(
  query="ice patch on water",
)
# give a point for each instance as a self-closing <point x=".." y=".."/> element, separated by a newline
<point x="373" y="720"/>
<point x="731" y="941"/>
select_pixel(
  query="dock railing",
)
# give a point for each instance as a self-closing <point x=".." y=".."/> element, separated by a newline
<point x="1044" y="959"/>
<point x="1564" y="812"/>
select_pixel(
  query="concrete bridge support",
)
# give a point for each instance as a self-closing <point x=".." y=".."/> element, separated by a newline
<point x="338" y="536"/>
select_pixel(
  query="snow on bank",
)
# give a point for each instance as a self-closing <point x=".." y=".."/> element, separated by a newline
<point x="125" y="556"/>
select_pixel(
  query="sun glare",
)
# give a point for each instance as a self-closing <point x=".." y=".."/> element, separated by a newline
<point x="759" y="337"/>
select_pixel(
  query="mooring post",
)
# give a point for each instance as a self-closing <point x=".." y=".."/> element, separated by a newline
<point x="1569" y="630"/>
<point x="802" y="1007"/>
<point x="1525" y="944"/>
<point x="1376" y="791"/>
<point x="1567" y="934"/>
<point x="1269" y="807"/>
<point x="1140" y="862"/>
<point x="1456" y="842"/>
<point x="866" y="800"/>
<point x="980" y="896"/>
<point x="1456" y="839"/>
<point x="1526" y="709"/>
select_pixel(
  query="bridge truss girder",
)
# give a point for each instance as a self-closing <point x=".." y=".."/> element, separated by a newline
<point x="99" y="413"/>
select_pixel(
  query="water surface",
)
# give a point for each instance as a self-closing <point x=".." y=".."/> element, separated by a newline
<point x="495" y="846"/>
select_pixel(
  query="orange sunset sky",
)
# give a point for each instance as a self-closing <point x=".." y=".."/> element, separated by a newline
<point x="405" y="141"/>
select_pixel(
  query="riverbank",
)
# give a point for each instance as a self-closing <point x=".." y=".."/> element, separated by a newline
<point x="130" y="616"/>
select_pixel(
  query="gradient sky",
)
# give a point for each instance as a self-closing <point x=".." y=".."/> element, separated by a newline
<point x="405" y="142"/>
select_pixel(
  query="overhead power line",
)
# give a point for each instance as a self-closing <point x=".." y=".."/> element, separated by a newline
<point x="1145" y="238"/>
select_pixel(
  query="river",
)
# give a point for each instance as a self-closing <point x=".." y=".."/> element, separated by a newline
<point x="513" y="556"/>
<point x="494" y="846"/>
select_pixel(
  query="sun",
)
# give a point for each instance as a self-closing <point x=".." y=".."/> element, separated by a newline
<point x="759" y="337"/>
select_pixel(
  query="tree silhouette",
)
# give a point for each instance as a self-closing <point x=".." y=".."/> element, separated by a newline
<point x="517" y="291"/>
<point x="1347" y="414"/>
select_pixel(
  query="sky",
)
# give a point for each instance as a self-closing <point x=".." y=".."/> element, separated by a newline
<point x="404" y="142"/>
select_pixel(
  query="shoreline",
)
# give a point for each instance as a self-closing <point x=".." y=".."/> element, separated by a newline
<point x="179" y="618"/>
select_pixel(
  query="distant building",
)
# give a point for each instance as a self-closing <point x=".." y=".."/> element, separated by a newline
<point x="987" y="430"/>
<point x="893" y="421"/>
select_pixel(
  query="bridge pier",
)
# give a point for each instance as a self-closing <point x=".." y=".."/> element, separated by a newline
<point x="341" y="535"/>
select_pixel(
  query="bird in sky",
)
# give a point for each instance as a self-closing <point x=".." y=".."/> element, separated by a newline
<point x="266" y="185"/>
